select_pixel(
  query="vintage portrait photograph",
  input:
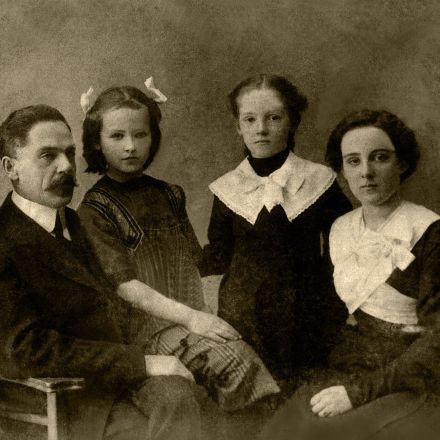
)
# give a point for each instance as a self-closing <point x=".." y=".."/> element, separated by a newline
<point x="219" y="220"/>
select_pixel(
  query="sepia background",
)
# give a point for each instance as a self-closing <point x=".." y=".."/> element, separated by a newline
<point x="343" y="54"/>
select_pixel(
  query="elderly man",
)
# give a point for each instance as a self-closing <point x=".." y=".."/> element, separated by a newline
<point x="59" y="314"/>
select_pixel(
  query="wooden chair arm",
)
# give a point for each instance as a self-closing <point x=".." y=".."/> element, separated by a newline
<point x="49" y="384"/>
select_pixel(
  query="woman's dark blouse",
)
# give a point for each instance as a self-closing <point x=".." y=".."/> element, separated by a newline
<point x="375" y="358"/>
<point x="140" y="230"/>
<point x="277" y="289"/>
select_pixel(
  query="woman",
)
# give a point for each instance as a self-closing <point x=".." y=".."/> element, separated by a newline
<point x="383" y="380"/>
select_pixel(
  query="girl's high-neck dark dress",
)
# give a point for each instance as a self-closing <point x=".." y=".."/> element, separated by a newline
<point x="277" y="289"/>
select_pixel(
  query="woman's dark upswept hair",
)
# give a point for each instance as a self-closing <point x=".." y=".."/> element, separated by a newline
<point x="116" y="98"/>
<point x="402" y="138"/>
<point x="295" y="102"/>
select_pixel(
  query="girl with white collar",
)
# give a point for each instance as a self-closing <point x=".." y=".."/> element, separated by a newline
<point x="268" y="233"/>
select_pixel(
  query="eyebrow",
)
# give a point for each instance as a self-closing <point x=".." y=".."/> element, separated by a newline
<point x="274" y="110"/>
<point x="377" y="150"/>
<point x="51" y="148"/>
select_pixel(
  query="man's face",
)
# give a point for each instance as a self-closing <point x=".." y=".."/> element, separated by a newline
<point x="43" y="170"/>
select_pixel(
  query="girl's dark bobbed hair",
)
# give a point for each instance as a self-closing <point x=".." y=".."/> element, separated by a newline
<point x="402" y="138"/>
<point x="115" y="98"/>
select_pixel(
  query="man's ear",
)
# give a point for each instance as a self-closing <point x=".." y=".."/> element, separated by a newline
<point x="9" y="165"/>
<point x="237" y="127"/>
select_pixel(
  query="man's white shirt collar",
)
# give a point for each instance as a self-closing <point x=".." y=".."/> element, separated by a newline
<point x="45" y="216"/>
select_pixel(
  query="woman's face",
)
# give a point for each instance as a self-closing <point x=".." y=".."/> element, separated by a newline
<point x="370" y="165"/>
<point x="263" y="122"/>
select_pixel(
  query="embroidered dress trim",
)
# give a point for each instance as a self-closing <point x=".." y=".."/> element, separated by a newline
<point x="296" y="185"/>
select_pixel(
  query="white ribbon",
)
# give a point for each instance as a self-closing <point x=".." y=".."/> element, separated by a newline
<point x="271" y="191"/>
<point x="85" y="101"/>
<point x="154" y="93"/>
<point x="368" y="266"/>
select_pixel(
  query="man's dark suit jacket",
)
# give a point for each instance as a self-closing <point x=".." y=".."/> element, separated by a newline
<point x="59" y="317"/>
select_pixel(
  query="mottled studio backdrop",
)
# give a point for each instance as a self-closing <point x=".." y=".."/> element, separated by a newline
<point x="343" y="54"/>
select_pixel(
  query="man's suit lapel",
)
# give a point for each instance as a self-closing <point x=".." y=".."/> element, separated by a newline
<point x="57" y="255"/>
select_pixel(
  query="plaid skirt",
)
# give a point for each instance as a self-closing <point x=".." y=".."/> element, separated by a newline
<point x="232" y="373"/>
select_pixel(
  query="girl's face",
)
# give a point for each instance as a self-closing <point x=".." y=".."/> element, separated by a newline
<point x="370" y="165"/>
<point x="263" y="122"/>
<point x="125" y="142"/>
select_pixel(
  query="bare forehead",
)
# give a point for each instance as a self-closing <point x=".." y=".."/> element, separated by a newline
<point x="259" y="99"/>
<point x="362" y="139"/>
<point x="49" y="133"/>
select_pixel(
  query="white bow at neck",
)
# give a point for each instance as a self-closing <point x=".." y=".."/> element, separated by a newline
<point x="295" y="186"/>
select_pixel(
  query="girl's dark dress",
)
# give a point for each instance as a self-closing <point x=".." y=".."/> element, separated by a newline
<point x="277" y="290"/>
<point x="140" y="231"/>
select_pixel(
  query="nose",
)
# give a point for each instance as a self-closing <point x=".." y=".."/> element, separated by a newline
<point x="261" y="126"/>
<point x="367" y="169"/>
<point x="129" y="144"/>
<point x="65" y="164"/>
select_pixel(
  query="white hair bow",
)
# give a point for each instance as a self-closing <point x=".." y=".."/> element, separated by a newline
<point x="153" y="93"/>
<point x="85" y="101"/>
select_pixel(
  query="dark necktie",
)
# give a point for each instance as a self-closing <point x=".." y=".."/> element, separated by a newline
<point x="58" y="229"/>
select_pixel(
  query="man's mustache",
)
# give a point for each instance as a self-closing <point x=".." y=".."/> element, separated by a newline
<point x="64" y="180"/>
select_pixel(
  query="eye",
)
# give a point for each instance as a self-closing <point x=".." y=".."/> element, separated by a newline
<point x="248" y="119"/>
<point x="353" y="161"/>
<point x="142" y="134"/>
<point x="48" y="156"/>
<point x="275" y="117"/>
<point x="381" y="157"/>
<point x="117" y="136"/>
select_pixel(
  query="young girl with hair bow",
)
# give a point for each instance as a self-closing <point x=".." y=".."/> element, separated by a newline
<point x="142" y="236"/>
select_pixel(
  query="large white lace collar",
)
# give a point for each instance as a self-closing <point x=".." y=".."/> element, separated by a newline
<point x="296" y="185"/>
<point x="364" y="259"/>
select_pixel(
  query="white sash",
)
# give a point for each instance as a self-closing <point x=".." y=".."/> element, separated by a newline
<point x="364" y="259"/>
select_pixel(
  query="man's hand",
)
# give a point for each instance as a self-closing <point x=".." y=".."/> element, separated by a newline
<point x="211" y="326"/>
<point x="331" y="401"/>
<point x="159" y="365"/>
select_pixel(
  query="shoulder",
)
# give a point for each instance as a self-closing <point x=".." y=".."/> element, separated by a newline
<point x="100" y="193"/>
<point x="313" y="168"/>
<point x="102" y="206"/>
<point x="229" y="180"/>
<point x="344" y="224"/>
<point x="418" y="215"/>
<point x="9" y="221"/>
<point x="430" y="240"/>
<point x="97" y="203"/>
<point x="5" y="222"/>
<point x="174" y="193"/>
<point x="341" y="235"/>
